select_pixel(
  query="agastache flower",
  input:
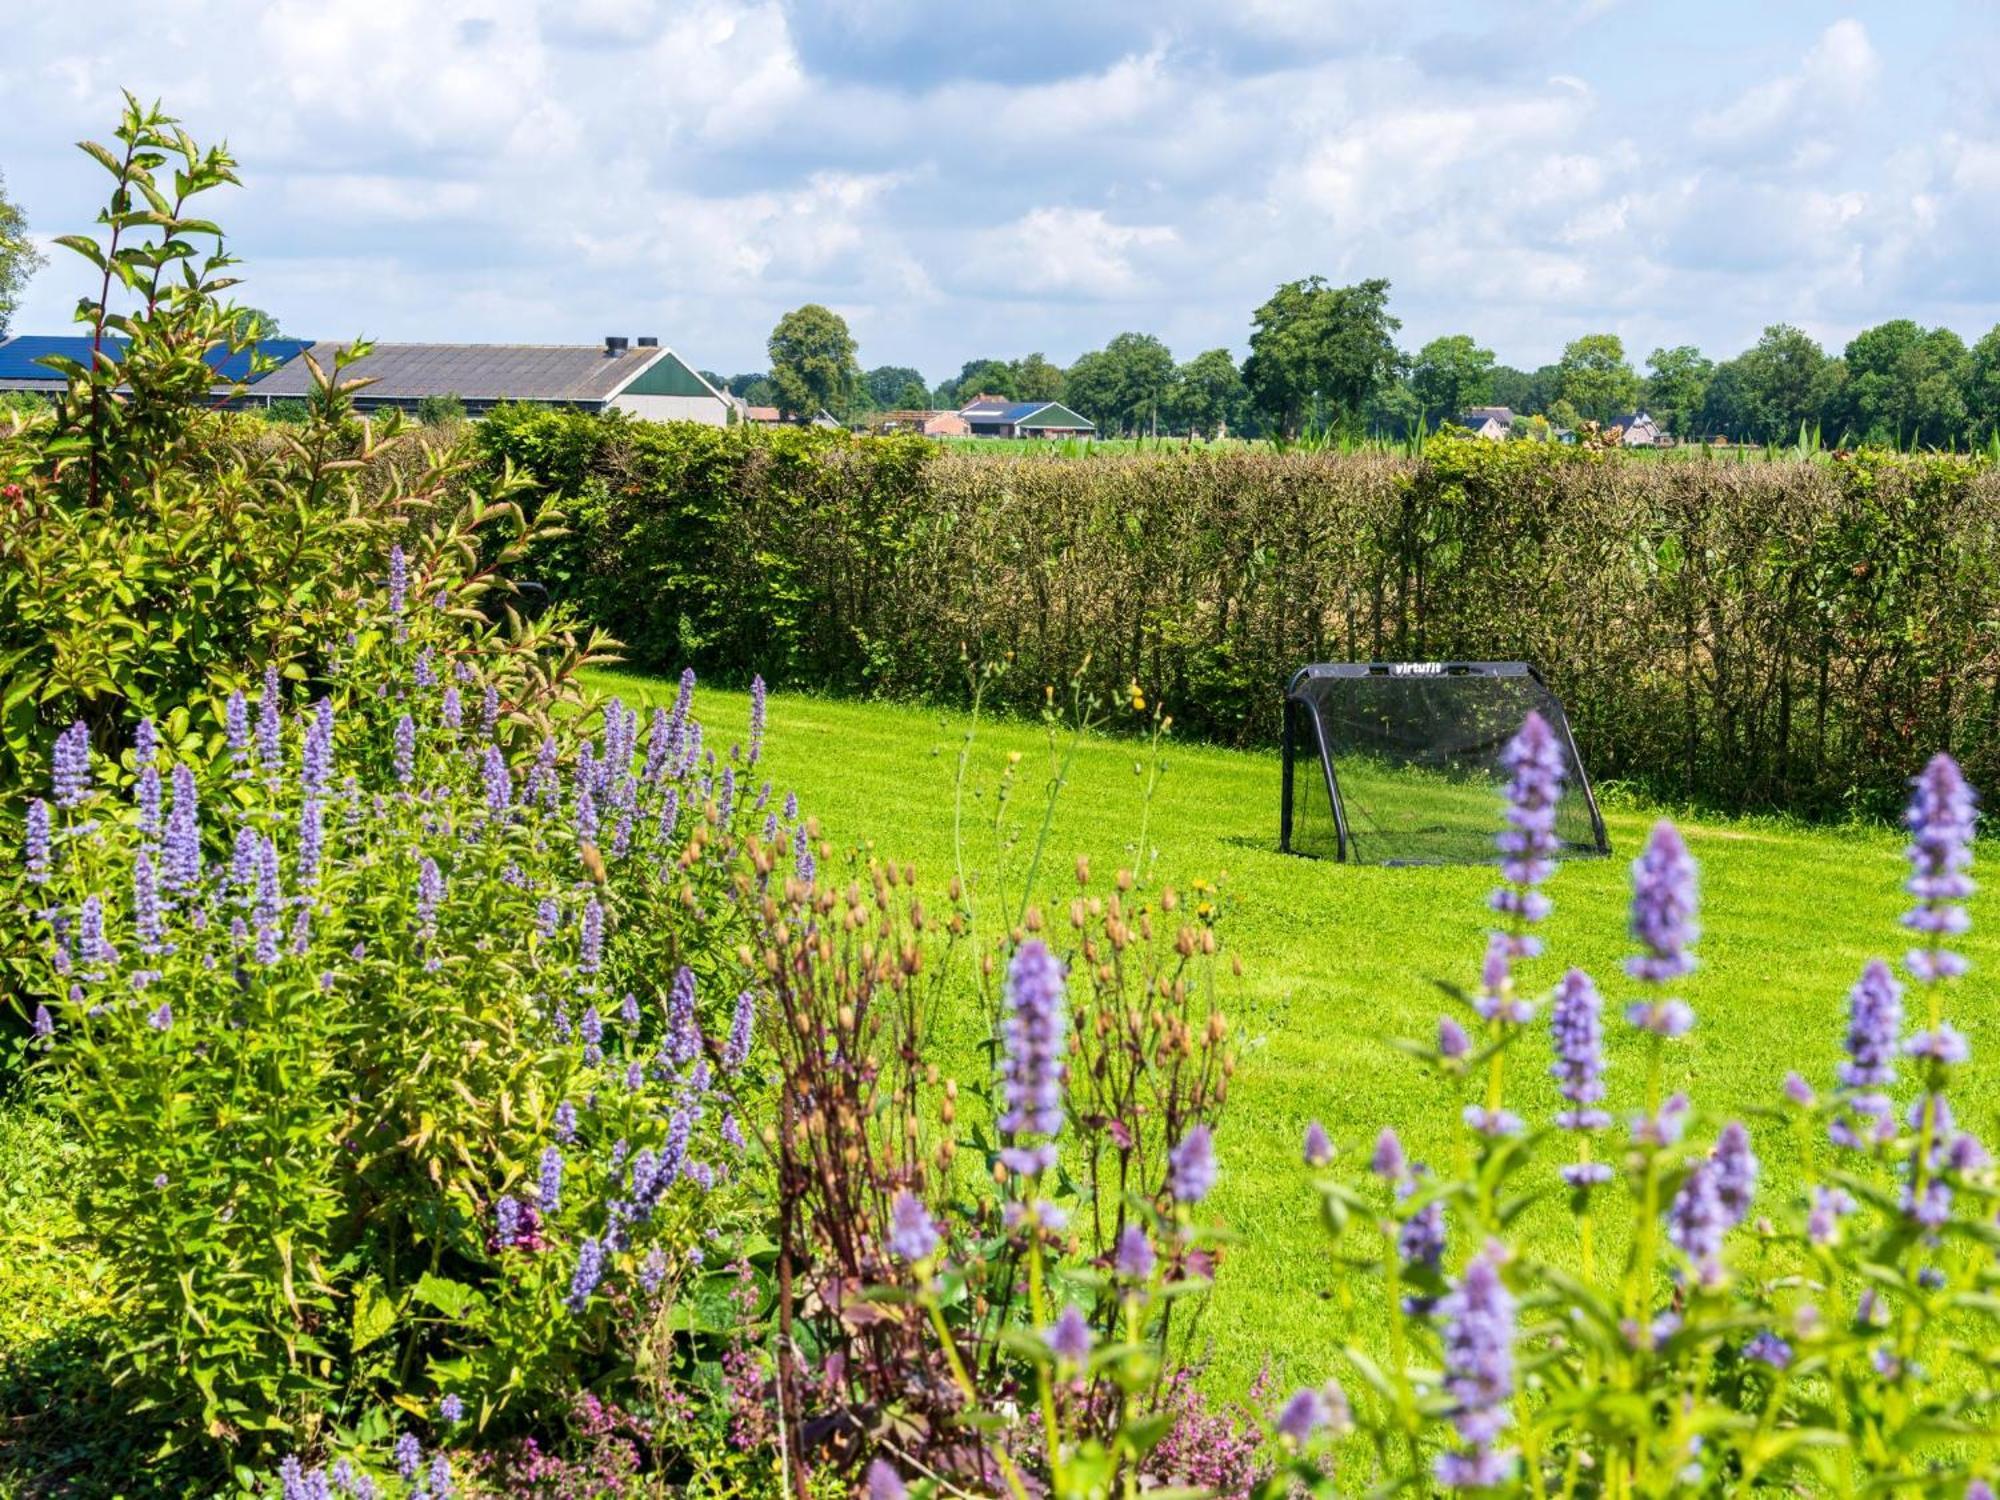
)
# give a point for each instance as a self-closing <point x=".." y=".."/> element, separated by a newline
<point x="550" y="1197"/>
<point x="912" y="1235"/>
<point x="180" y="850"/>
<point x="1528" y="844"/>
<point x="499" y="784"/>
<point x="146" y="907"/>
<point x="1663" y="907"/>
<point x="1479" y="1373"/>
<point x="1875" y="1019"/>
<point x="236" y="730"/>
<point x="757" y="710"/>
<point x="406" y="749"/>
<point x="589" y="1271"/>
<point x="1579" y="1047"/>
<point x="38" y="842"/>
<point x="1942" y="815"/>
<point x="1134" y="1259"/>
<point x="736" y="1051"/>
<point x="70" y="766"/>
<point x="399" y="590"/>
<point x="683" y="1040"/>
<point x="591" y="955"/>
<point x="270" y="725"/>
<point x="147" y="795"/>
<point x="451" y="711"/>
<point x="316" y="759"/>
<point x="430" y="891"/>
<point x="1070" y="1340"/>
<point x="1318" y="1149"/>
<point x="1032" y="1041"/>
<point x="1191" y="1169"/>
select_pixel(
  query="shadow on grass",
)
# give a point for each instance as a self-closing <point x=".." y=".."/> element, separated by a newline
<point x="64" y="1430"/>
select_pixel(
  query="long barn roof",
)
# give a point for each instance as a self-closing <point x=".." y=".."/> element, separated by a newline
<point x="476" y="372"/>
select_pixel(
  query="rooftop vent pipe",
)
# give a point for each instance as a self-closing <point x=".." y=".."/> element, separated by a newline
<point x="648" y="342"/>
<point x="613" y="344"/>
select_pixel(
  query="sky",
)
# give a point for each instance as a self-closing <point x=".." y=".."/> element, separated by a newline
<point x="966" y="181"/>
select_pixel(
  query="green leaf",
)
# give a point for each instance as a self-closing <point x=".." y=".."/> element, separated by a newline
<point x="374" y="1314"/>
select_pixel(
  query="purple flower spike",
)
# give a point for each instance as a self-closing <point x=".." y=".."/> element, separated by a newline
<point x="1032" y="1039"/>
<point x="236" y="729"/>
<point x="180" y="850"/>
<point x="1944" y="1045"/>
<point x="736" y="1051"/>
<point x="1663" y="907"/>
<point x="1579" y="1046"/>
<point x="683" y="1042"/>
<point x="912" y="1235"/>
<point x="271" y="724"/>
<point x="1453" y="1043"/>
<point x="409" y="1455"/>
<point x="1305" y="1414"/>
<point x="1875" y="1019"/>
<point x="1070" y="1340"/>
<point x="1534" y="759"/>
<point x="1134" y="1259"/>
<point x="550" y="1196"/>
<point x="399" y="590"/>
<point x="589" y="1271"/>
<point x="451" y="1409"/>
<point x="757" y="711"/>
<point x="70" y="766"/>
<point x="1318" y="1149"/>
<point x="1479" y="1372"/>
<point x="1942" y="816"/>
<point x="591" y="956"/>
<point x="38" y="842"/>
<point x="147" y="795"/>
<point x="1735" y="1171"/>
<point x="1191" y="1166"/>
<point x="1388" y="1160"/>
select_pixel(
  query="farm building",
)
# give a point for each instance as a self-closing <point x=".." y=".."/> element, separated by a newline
<point x="1639" y="431"/>
<point x="923" y="423"/>
<point x="644" y="379"/>
<point x="771" y="416"/>
<point x="21" y="367"/>
<point x="1486" y="421"/>
<point x="996" y="416"/>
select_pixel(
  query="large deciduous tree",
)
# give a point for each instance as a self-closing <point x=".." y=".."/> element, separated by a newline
<point x="1037" y="379"/>
<point x="1319" y="351"/>
<point x="19" y="259"/>
<point x="1593" y="377"/>
<point x="1982" y="387"/>
<point x="886" y="386"/>
<point x="1785" y="386"/>
<point x="1450" y="374"/>
<point x="812" y="362"/>
<point x="1906" y="384"/>
<point x="1208" y="395"/>
<point x="1676" y="381"/>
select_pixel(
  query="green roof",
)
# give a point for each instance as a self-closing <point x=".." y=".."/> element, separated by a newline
<point x="668" y="376"/>
<point x="1055" y="414"/>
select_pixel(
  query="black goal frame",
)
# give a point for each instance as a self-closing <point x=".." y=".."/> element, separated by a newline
<point x="1307" y="747"/>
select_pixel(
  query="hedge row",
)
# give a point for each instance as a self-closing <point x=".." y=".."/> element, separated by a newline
<point x="1791" y="634"/>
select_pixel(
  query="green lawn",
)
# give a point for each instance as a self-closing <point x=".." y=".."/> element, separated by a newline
<point x="1338" y="958"/>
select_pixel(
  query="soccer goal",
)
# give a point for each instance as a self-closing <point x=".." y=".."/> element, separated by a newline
<point x="1391" y="763"/>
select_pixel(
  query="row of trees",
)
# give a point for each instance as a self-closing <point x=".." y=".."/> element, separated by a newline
<point x="1325" y="358"/>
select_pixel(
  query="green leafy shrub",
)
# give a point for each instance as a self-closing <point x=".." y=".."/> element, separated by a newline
<point x="440" y="411"/>
<point x="1788" y="634"/>
<point x="402" y="1040"/>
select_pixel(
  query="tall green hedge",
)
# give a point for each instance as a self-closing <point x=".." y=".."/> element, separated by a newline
<point x="1775" y="634"/>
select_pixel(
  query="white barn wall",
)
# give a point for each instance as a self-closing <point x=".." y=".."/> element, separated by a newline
<point x="709" y="409"/>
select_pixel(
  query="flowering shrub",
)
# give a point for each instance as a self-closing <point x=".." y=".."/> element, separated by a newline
<point x="406" y="1044"/>
<point x="1834" y="1342"/>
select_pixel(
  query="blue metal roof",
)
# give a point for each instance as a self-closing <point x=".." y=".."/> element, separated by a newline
<point x="21" y="356"/>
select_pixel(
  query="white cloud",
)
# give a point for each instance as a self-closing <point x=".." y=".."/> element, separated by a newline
<point x="1054" y="252"/>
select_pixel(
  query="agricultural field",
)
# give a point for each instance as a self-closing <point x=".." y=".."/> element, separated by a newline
<point x="1339" y="961"/>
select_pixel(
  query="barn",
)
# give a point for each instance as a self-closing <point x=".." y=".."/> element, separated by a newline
<point x="996" y="416"/>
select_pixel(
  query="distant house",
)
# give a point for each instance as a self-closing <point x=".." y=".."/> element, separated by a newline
<point x="770" y="416"/>
<point x="923" y="423"/>
<point x="1493" y="422"/>
<point x="643" y="379"/>
<point x="1640" y="431"/>
<point x="21" y="367"/>
<point x="996" y="416"/>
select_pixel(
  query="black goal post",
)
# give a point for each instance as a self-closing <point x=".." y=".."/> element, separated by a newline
<point x="1392" y="763"/>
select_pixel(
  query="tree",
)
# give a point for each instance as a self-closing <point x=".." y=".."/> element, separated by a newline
<point x="256" y="324"/>
<point x="1676" y="381"/>
<point x="812" y="362"/>
<point x="979" y="377"/>
<point x="1208" y="395"/>
<point x="1906" y="384"/>
<point x="1725" y="404"/>
<point x="1036" y="379"/>
<point x="1784" y="385"/>
<point x="1319" y="351"/>
<point x="19" y="259"/>
<point x="1394" y="409"/>
<point x="1982" y="386"/>
<point x="1091" y="387"/>
<point x="885" y="385"/>
<point x="913" y="397"/>
<point x="1142" y="371"/>
<point x="1523" y="392"/>
<point x="1450" y="374"/>
<point x="1593" y="377"/>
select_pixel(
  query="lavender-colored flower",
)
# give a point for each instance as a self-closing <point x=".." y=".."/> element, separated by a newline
<point x="583" y="1281"/>
<point x="236" y="730"/>
<point x="1032" y="1041"/>
<point x="1494" y="1124"/>
<point x="506" y="1222"/>
<point x="1666" y="1128"/>
<point x="1735" y="1171"/>
<point x="292" y="1479"/>
<point x="440" y="1477"/>
<point x="804" y="866"/>
<point x="406" y="750"/>
<point x="147" y="794"/>
<point x="45" y="1024"/>
<point x="628" y="1009"/>
<point x="1388" y="1160"/>
<point x="430" y="891"/>
<point x="883" y="1482"/>
<point x="451" y="710"/>
<point x="1932" y="1208"/>
<point x="316" y="758"/>
<point x="1070" y="1339"/>
<point x="146" y="907"/>
<point x="1305" y="1414"/>
<point x="670" y="814"/>
<point x="590" y="958"/>
<point x="565" y="1122"/>
<point x="1191" y="1166"/>
<point x="1945" y="1044"/>
<point x="549" y="1199"/>
<point x="1421" y="1240"/>
<point x="180" y="849"/>
<point x="548" y="916"/>
<point x="1829" y="1206"/>
<point x="544" y="785"/>
<point x="1496" y="998"/>
<point x="1875" y="1017"/>
<point x="683" y="1039"/>
<point x="732" y="1133"/>
<point x="38" y="842"/>
<point x="1799" y="1091"/>
<point x="271" y="724"/>
<point x="92" y="947"/>
<point x="1663" y="907"/>
<point x="1665" y="1017"/>
<point x="1479" y="1372"/>
<point x="422" y="671"/>
<point x="1768" y="1349"/>
<point x="725" y="801"/>
<point x="489" y="710"/>
<point x="912" y="1235"/>
<point x="1585" y="1174"/>
<point x="1697" y="1219"/>
<point x="1453" y="1043"/>
<point x="1534" y="760"/>
<point x="757" y="711"/>
<point x="1942" y="815"/>
<point x="1579" y="1047"/>
<point x="451" y="1409"/>
<point x="1134" y="1258"/>
<point x="1318" y="1149"/>
<point x="736" y="1051"/>
<point x="409" y="1455"/>
<point x="161" y="1019"/>
<point x="591" y="1027"/>
<point x="399" y="590"/>
<point x="270" y="905"/>
<point x="70" y="766"/>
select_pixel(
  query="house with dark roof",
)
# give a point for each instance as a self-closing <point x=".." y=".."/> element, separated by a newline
<point x="1493" y="422"/>
<point x="996" y="416"/>
<point x="1637" y="430"/>
<point x="643" y="379"/>
<point x="22" y="357"/>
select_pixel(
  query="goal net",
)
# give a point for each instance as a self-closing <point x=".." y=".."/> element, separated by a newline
<point x="1400" y="762"/>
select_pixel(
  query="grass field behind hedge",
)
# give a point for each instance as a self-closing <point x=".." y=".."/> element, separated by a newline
<point x="1337" y="959"/>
